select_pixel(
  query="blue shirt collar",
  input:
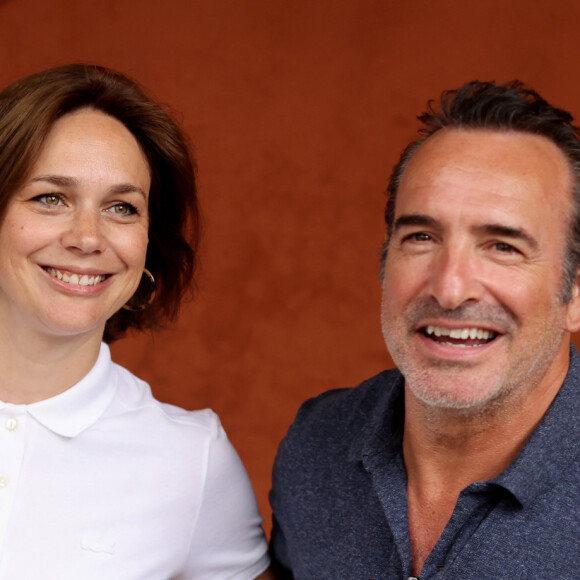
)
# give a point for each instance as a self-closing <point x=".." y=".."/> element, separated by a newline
<point x="549" y="451"/>
<point x="551" y="447"/>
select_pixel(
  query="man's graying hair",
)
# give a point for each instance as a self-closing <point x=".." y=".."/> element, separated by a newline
<point x="504" y="107"/>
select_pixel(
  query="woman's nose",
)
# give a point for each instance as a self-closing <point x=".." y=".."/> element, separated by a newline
<point x="85" y="232"/>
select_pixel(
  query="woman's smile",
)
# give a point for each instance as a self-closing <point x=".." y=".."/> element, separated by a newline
<point x="81" y="217"/>
<point x="74" y="278"/>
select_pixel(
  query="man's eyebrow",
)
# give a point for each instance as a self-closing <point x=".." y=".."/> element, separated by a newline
<point x="63" y="181"/>
<point x="509" y="232"/>
<point x="413" y="219"/>
<point x="417" y="219"/>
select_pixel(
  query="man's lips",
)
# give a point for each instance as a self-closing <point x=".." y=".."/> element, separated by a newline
<point x="467" y="337"/>
<point x="76" y="279"/>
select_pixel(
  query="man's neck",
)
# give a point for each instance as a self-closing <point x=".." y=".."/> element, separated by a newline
<point x="458" y="446"/>
<point x="445" y="450"/>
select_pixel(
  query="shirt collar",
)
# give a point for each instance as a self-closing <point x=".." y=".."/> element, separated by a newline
<point x="79" y="407"/>
<point x="553" y="445"/>
<point x="548" y="452"/>
<point x="382" y="433"/>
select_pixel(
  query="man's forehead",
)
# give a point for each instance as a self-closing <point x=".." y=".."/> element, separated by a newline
<point x="499" y="160"/>
<point x="458" y="141"/>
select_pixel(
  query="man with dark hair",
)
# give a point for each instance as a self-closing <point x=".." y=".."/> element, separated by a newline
<point x="463" y="461"/>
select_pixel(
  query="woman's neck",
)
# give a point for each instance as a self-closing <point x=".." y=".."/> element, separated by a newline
<point x="36" y="366"/>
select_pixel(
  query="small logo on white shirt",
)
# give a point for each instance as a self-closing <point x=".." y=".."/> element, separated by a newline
<point x="98" y="542"/>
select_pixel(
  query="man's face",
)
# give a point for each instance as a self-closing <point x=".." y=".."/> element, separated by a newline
<point x="470" y="308"/>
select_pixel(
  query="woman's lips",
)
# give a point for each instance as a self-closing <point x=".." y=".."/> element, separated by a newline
<point x="76" y="279"/>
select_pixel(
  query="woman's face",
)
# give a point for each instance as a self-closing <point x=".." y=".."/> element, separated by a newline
<point x="74" y="236"/>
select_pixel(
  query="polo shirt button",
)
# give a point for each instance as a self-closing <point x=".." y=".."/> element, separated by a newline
<point x="12" y="424"/>
<point x="3" y="481"/>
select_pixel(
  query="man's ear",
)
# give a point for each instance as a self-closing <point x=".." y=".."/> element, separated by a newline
<point x="573" y="314"/>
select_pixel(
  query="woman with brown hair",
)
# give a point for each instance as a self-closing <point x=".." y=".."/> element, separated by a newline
<point x="98" y="232"/>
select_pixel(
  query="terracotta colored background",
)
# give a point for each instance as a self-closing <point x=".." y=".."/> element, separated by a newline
<point x="297" y="111"/>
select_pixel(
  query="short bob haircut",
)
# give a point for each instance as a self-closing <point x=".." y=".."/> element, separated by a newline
<point x="501" y="107"/>
<point x="29" y="108"/>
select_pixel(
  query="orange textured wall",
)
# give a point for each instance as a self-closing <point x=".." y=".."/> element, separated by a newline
<point x="297" y="110"/>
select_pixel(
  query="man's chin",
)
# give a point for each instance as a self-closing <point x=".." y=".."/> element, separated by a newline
<point x="455" y="394"/>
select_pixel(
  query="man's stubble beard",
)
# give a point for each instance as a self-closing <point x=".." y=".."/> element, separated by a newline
<point x="421" y="377"/>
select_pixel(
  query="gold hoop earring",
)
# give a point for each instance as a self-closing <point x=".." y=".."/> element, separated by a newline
<point x="146" y="304"/>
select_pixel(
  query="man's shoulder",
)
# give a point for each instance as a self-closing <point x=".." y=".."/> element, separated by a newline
<point x="349" y="400"/>
<point x="334" y="413"/>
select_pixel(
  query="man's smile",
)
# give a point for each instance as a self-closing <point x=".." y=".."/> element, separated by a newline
<point x="462" y="337"/>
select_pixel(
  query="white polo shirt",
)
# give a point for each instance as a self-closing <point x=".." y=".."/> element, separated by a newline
<point x="103" y="482"/>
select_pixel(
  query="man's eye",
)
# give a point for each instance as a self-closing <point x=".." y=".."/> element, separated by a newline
<point x="504" y="248"/>
<point x="419" y="237"/>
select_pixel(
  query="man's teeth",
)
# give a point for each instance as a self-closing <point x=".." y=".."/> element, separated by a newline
<point x="460" y="333"/>
<point x="83" y="280"/>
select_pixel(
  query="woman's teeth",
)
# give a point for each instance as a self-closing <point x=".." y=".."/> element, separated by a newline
<point x="83" y="280"/>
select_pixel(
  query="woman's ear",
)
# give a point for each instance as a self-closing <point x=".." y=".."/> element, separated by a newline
<point x="573" y="314"/>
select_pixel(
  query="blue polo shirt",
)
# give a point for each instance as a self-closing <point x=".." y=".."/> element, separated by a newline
<point x="340" y="506"/>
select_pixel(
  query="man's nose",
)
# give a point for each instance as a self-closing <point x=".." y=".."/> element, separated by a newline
<point x="455" y="279"/>
<point x="84" y="232"/>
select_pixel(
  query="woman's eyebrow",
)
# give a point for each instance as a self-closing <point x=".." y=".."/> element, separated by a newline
<point x="59" y="180"/>
<point x="64" y="181"/>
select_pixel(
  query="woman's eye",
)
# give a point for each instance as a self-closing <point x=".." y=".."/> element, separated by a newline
<point x="123" y="208"/>
<point x="49" y="199"/>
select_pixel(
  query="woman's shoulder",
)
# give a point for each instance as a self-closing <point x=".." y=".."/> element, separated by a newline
<point x="134" y="400"/>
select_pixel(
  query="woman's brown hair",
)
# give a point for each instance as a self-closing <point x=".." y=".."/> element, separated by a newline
<point x="29" y="108"/>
